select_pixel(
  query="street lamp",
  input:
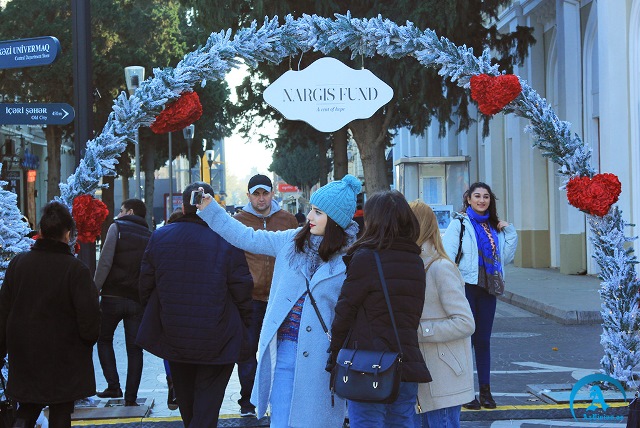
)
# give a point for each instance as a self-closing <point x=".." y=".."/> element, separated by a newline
<point x="133" y="75"/>
<point x="210" y="155"/>
<point x="188" y="133"/>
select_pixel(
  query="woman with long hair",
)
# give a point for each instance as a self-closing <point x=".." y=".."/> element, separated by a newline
<point x="487" y="244"/>
<point x="362" y="315"/>
<point x="446" y="326"/>
<point x="292" y="350"/>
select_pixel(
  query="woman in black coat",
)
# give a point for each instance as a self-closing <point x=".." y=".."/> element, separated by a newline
<point x="391" y="230"/>
<point x="49" y="322"/>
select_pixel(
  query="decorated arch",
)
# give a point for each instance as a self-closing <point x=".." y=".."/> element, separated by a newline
<point x="595" y="194"/>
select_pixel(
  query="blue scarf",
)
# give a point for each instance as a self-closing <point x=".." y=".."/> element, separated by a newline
<point x="488" y="251"/>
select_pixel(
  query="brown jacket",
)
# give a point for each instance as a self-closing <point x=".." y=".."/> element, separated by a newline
<point x="261" y="266"/>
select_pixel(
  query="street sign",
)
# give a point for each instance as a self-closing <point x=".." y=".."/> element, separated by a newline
<point x="28" y="52"/>
<point x="36" y="114"/>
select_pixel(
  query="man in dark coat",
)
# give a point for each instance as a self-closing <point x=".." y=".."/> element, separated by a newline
<point x="49" y="322"/>
<point x="117" y="280"/>
<point x="197" y="291"/>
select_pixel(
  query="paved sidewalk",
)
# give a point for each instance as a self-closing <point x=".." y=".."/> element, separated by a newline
<point x="567" y="299"/>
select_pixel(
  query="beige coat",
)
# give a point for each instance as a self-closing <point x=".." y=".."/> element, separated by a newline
<point x="445" y="333"/>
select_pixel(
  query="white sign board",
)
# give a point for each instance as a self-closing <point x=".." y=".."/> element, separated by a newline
<point x="328" y="94"/>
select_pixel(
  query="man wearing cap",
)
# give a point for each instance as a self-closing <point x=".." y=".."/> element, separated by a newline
<point x="197" y="291"/>
<point x="262" y="212"/>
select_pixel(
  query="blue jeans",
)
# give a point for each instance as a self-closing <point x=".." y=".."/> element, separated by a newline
<point x="449" y="417"/>
<point x="282" y="389"/>
<point x="399" y="414"/>
<point x="247" y="369"/>
<point x="483" y="306"/>
<point x="114" y="310"/>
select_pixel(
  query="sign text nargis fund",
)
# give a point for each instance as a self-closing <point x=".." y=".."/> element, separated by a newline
<point x="328" y="94"/>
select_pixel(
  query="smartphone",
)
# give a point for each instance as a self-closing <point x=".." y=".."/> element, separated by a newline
<point x="196" y="197"/>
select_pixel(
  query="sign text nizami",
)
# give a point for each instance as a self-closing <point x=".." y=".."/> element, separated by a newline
<point x="328" y="94"/>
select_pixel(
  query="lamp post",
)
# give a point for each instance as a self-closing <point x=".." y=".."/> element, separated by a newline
<point x="188" y="133"/>
<point x="133" y="75"/>
<point x="210" y="155"/>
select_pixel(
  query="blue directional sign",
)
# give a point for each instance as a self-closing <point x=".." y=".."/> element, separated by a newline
<point x="28" y="52"/>
<point x="36" y="114"/>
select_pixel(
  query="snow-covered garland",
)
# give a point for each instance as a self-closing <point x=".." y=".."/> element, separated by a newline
<point x="274" y="42"/>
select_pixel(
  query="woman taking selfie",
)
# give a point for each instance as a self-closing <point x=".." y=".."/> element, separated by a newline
<point x="362" y="318"/>
<point x="445" y="331"/>
<point x="293" y="345"/>
<point x="486" y="244"/>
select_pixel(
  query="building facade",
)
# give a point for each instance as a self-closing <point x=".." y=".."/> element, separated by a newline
<point x="586" y="63"/>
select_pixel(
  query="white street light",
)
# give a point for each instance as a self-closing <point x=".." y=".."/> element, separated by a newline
<point x="133" y="76"/>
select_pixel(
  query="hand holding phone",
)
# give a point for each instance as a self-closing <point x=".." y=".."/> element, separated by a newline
<point x="196" y="197"/>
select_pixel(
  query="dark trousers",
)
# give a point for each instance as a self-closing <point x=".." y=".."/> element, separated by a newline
<point x="247" y="369"/>
<point x="200" y="391"/>
<point x="114" y="310"/>
<point x="483" y="307"/>
<point x="59" y="414"/>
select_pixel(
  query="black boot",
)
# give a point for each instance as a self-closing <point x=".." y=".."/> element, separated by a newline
<point x="172" y="402"/>
<point x="486" y="400"/>
<point x="472" y="405"/>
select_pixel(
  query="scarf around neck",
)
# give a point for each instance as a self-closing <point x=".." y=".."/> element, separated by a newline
<point x="488" y="244"/>
<point x="310" y="260"/>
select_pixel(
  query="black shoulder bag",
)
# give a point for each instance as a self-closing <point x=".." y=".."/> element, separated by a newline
<point x="369" y="376"/>
<point x="459" y="255"/>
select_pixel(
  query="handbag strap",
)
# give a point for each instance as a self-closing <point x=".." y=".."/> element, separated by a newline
<point x="459" y="255"/>
<point x="315" y="307"/>
<point x="386" y="297"/>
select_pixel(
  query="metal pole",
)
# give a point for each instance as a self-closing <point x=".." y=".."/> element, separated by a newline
<point x="138" y="187"/>
<point x="83" y="97"/>
<point x="223" y="171"/>
<point x="189" y="156"/>
<point x="170" y="175"/>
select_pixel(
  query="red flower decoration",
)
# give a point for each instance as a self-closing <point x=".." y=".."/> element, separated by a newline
<point x="492" y="93"/>
<point x="594" y="195"/>
<point x="89" y="214"/>
<point x="179" y="114"/>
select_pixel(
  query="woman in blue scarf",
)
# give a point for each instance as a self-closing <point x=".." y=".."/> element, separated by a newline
<point x="486" y="244"/>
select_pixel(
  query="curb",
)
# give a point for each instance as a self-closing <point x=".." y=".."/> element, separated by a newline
<point x="616" y="412"/>
<point x="571" y="317"/>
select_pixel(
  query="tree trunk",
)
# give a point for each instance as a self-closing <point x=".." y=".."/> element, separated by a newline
<point x="126" y="173"/>
<point x="109" y="200"/>
<point x="324" y="162"/>
<point x="340" y="161"/>
<point x="371" y="137"/>
<point x="53" y="134"/>
<point x="149" y="178"/>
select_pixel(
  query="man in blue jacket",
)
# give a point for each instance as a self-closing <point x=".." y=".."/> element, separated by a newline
<point x="197" y="291"/>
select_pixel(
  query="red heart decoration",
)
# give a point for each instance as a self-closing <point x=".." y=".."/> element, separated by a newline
<point x="492" y="93"/>
<point x="594" y="195"/>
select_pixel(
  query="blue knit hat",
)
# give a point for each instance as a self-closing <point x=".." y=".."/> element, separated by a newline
<point x="338" y="199"/>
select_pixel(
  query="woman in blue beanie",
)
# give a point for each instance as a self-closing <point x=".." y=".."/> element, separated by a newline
<point x="293" y="345"/>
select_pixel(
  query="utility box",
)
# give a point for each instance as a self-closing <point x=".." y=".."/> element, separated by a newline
<point x="439" y="182"/>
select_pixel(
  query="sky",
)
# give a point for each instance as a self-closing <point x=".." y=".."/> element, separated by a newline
<point x="242" y="155"/>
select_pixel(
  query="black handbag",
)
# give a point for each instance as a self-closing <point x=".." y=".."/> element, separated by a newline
<point x="369" y="376"/>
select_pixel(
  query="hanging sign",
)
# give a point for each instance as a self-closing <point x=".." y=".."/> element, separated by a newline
<point x="328" y="94"/>
<point x="28" y="52"/>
